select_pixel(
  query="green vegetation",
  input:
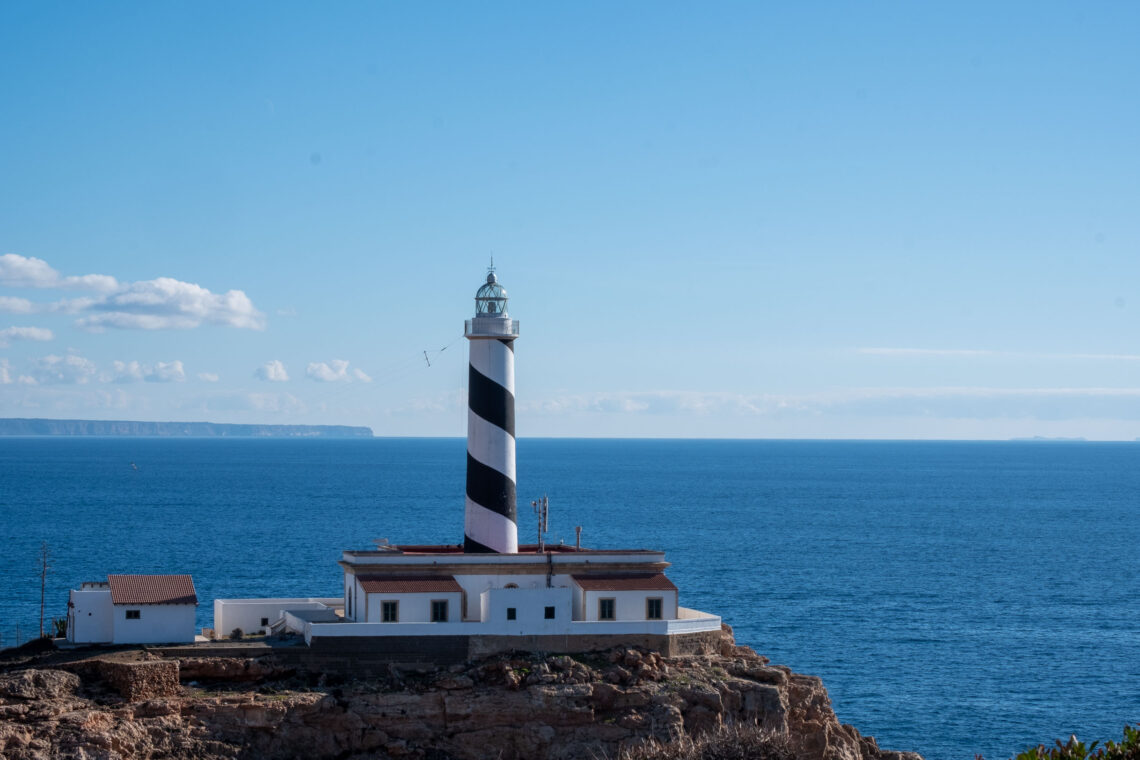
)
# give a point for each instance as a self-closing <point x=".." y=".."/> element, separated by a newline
<point x="1127" y="749"/>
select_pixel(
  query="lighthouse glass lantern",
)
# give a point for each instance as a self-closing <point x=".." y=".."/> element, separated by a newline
<point x="491" y="298"/>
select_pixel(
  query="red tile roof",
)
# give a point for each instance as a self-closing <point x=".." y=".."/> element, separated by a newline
<point x="408" y="584"/>
<point x="152" y="589"/>
<point x="624" y="582"/>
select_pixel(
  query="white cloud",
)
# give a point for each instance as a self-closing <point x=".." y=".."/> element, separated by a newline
<point x="333" y="371"/>
<point x="163" y="303"/>
<point x="5" y="375"/>
<point x="208" y="377"/>
<point x="9" y="334"/>
<point x="167" y="372"/>
<point x="29" y="272"/>
<point x="272" y="371"/>
<point x="21" y="272"/>
<point x="166" y="303"/>
<point x="159" y="372"/>
<point x="51" y="370"/>
<point x="125" y="372"/>
<point x="12" y="305"/>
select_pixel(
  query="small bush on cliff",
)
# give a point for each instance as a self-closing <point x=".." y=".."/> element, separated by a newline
<point x="728" y="742"/>
<point x="237" y="634"/>
<point x="1127" y="749"/>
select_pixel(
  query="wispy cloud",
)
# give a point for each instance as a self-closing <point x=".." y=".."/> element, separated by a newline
<point x="61" y="370"/>
<point x="272" y="371"/>
<point x="923" y="352"/>
<point x="941" y="402"/>
<point x="9" y="334"/>
<point x="163" y="303"/>
<point x="159" y="372"/>
<point x="237" y="401"/>
<point x="920" y="352"/>
<point x="208" y="377"/>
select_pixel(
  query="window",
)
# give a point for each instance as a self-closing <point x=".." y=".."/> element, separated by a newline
<point x="606" y="609"/>
<point x="264" y="622"/>
<point x="653" y="609"/>
<point x="439" y="611"/>
<point x="511" y="613"/>
<point x="134" y="614"/>
<point x="389" y="612"/>
<point x="549" y="613"/>
<point x="349" y="604"/>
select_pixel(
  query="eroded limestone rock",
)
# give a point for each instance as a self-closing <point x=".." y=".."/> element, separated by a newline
<point x="507" y="707"/>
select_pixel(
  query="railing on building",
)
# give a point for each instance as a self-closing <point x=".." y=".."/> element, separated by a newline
<point x="491" y="326"/>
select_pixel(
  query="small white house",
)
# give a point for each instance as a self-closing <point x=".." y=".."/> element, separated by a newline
<point x="133" y="609"/>
<point x="409" y="599"/>
<point x="629" y="596"/>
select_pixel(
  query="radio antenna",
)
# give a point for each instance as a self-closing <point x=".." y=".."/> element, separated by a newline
<point x="541" y="509"/>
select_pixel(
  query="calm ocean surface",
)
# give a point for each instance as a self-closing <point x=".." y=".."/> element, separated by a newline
<point x="955" y="598"/>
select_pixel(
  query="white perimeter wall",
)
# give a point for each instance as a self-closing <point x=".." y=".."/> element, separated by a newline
<point x="414" y="608"/>
<point x="246" y="614"/>
<point x="629" y="605"/>
<point x="90" y="614"/>
<point x="692" y="621"/>
<point x="157" y="624"/>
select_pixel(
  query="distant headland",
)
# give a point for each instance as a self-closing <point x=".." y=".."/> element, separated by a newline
<point x="18" y="426"/>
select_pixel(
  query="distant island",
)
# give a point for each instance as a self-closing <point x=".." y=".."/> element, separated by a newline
<point x="17" y="426"/>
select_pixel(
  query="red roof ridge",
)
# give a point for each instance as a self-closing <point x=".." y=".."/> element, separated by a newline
<point x="152" y="589"/>
<point x="406" y="583"/>
<point x="624" y="582"/>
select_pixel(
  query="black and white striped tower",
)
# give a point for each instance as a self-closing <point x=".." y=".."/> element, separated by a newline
<point x="491" y="521"/>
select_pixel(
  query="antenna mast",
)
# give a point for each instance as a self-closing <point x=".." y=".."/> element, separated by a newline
<point x="541" y="508"/>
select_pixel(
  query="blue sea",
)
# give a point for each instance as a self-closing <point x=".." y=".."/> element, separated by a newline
<point x="956" y="598"/>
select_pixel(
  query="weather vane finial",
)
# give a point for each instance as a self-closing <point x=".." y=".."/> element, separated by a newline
<point x="492" y="267"/>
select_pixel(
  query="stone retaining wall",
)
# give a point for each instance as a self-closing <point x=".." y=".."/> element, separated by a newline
<point x="369" y="655"/>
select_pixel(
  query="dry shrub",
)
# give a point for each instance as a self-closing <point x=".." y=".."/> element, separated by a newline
<point x="735" y="741"/>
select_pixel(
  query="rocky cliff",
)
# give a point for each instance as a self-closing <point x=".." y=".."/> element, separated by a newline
<point x="138" y="705"/>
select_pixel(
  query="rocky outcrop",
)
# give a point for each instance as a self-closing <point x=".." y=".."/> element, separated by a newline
<point x="523" y="706"/>
<point x="134" y="681"/>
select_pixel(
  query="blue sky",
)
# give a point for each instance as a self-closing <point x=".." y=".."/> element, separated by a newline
<point x="885" y="220"/>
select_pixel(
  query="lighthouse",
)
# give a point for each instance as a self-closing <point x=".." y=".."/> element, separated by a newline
<point x="491" y="518"/>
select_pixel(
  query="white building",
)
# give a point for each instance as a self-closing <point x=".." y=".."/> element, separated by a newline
<point x="260" y="615"/>
<point x="489" y="589"/>
<point x="133" y="609"/>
